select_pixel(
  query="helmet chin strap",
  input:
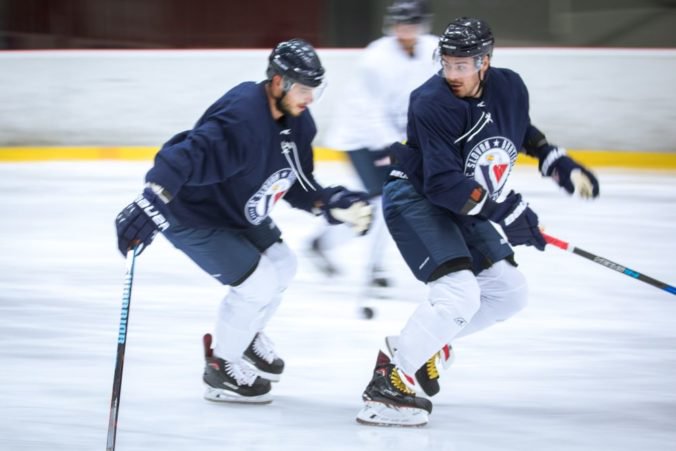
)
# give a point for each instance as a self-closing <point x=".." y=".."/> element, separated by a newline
<point x="480" y="87"/>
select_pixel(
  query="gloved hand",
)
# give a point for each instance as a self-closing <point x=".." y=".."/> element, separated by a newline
<point x="517" y="220"/>
<point x="140" y="221"/>
<point x="569" y="174"/>
<point x="351" y="207"/>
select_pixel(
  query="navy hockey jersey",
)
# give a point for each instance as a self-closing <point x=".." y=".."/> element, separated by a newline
<point x="456" y="144"/>
<point x="238" y="162"/>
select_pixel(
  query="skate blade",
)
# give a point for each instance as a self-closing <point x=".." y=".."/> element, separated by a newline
<point x="379" y="414"/>
<point x="371" y="292"/>
<point x="220" y="395"/>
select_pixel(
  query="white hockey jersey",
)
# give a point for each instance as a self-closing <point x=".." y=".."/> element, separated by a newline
<point x="372" y="113"/>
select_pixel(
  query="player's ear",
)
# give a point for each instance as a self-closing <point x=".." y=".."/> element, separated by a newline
<point x="277" y="82"/>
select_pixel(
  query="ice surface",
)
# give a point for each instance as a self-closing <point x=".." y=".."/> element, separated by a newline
<point x="589" y="365"/>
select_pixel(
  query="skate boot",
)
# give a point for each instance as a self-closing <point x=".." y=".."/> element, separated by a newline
<point x="232" y="381"/>
<point x="378" y="278"/>
<point x="263" y="359"/>
<point x="389" y="402"/>
<point x="378" y="285"/>
<point x="427" y="376"/>
<point x="321" y="260"/>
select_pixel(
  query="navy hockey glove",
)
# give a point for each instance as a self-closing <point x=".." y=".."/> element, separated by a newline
<point x="570" y="175"/>
<point x="517" y="220"/>
<point x="351" y="207"/>
<point x="140" y="221"/>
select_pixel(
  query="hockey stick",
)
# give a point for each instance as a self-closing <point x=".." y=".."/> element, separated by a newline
<point x="608" y="264"/>
<point x="121" y="346"/>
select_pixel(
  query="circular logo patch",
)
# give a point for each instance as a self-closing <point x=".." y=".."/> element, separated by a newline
<point x="490" y="162"/>
<point x="259" y="206"/>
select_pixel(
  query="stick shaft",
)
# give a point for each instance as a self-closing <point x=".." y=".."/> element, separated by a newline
<point x="121" y="346"/>
<point x="608" y="264"/>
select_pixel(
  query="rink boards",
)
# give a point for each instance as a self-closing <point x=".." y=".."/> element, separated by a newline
<point x="123" y="104"/>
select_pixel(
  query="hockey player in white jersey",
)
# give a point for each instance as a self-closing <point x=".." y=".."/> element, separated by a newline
<point x="373" y="115"/>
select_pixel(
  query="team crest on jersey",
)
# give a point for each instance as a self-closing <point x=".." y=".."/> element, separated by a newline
<point x="259" y="206"/>
<point x="490" y="162"/>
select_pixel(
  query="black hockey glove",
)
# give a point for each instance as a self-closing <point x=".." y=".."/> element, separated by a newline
<point x="140" y="221"/>
<point x="344" y="206"/>
<point x="554" y="163"/>
<point x="570" y="175"/>
<point x="517" y="220"/>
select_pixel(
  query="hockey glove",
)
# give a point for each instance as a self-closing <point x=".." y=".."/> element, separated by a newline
<point x="517" y="220"/>
<point x="351" y="207"/>
<point x="140" y="221"/>
<point x="570" y="175"/>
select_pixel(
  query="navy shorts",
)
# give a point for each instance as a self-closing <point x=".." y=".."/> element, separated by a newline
<point x="227" y="255"/>
<point x="435" y="241"/>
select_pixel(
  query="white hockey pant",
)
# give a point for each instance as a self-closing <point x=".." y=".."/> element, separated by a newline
<point x="459" y="304"/>
<point x="248" y="307"/>
<point x="504" y="293"/>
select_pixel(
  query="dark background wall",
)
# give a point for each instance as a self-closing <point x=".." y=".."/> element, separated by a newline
<point x="50" y="24"/>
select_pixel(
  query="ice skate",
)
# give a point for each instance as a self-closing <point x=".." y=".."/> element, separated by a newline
<point x="378" y="285"/>
<point x="261" y="356"/>
<point x="389" y="402"/>
<point x="379" y="279"/>
<point x="232" y="381"/>
<point x="321" y="260"/>
<point x="427" y="376"/>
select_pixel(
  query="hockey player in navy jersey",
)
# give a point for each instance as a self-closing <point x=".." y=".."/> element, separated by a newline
<point x="211" y="191"/>
<point x="465" y="127"/>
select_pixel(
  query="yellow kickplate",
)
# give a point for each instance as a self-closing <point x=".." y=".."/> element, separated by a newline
<point x="590" y="158"/>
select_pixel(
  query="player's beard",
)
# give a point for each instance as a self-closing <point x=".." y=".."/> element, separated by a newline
<point x="466" y="91"/>
<point x="282" y="106"/>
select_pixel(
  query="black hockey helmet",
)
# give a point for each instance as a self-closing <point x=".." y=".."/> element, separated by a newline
<point x="407" y="12"/>
<point x="466" y="36"/>
<point x="296" y="61"/>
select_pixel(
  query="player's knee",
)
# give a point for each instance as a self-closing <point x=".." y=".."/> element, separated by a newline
<point x="261" y="285"/>
<point x="513" y="294"/>
<point x="517" y="294"/>
<point x="456" y="293"/>
<point x="285" y="262"/>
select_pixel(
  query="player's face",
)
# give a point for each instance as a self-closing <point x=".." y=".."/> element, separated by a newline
<point x="407" y="34"/>
<point x="463" y="74"/>
<point x="297" y="99"/>
<point x="292" y="98"/>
